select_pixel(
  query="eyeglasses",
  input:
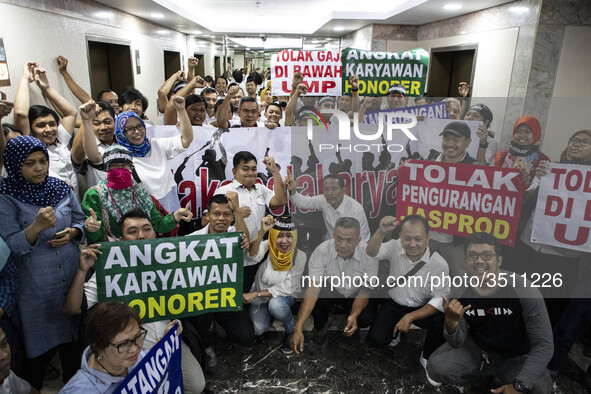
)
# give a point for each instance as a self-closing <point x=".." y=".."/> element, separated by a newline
<point x="131" y="129"/>
<point x="250" y="111"/>
<point x="575" y="141"/>
<point x="486" y="256"/>
<point x="124" y="347"/>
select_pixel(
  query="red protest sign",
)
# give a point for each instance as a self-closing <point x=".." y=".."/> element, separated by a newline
<point x="461" y="199"/>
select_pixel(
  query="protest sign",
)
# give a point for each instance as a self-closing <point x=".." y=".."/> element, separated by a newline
<point x="321" y="71"/>
<point x="159" y="371"/>
<point x="433" y="110"/>
<point x="563" y="212"/>
<point x="168" y="278"/>
<point x="461" y="199"/>
<point x="377" y="71"/>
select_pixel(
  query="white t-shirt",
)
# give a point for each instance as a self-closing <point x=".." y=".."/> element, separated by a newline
<point x="60" y="159"/>
<point x="93" y="175"/>
<point x="400" y="265"/>
<point x="154" y="170"/>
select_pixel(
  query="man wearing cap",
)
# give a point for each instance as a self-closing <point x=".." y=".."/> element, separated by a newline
<point x="339" y="271"/>
<point x="456" y="139"/>
<point x="498" y="335"/>
<point x="487" y="147"/>
<point x="397" y="97"/>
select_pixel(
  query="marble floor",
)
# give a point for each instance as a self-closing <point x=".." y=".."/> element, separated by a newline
<point x="334" y="363"/>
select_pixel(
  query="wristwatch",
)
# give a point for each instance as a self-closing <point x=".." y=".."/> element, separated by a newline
<point x="484" y="145"/>
<point x="259" y="293"/>
<point x="520" y="386"/>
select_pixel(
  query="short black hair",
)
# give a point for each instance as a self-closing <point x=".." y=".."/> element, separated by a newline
<point x="276" y="104"/>
<point x="40" y="111"/>
<point x="134" y="213"/>
<point x="247" y="99"/>
<point x="237" y="75"/>
<point x="242" y="157"/>
<point x="218" y="199"/>
<point x="250" y="78"/>
<point x="222" y="77"/>
<point x="208" y="90"/>
<point x="99" y="96"/>
<point x="347" y="222"/>
<point x="416" y="219"/>
<point x="208" y="78"/>
<point x="194" y="99"/>
<point x="220" y="102"/>
<point x="258" y="78"/>
<point x="482" y="238"/>
<point x="106" y="107"/>
<point x="337" y="177"/>
<point x="130" y="94"/>
<point x="8" y="128"/>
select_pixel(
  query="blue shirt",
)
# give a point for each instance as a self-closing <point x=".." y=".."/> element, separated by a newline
<point x="45" y="272"/>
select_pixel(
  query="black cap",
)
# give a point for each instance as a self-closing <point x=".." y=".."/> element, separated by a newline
<point x="397" y="88"/>
<point x="482" y="110"/>
<point x="457" y="128"/>
<point x="284" y="223"/>
<point x="117" y="154"/>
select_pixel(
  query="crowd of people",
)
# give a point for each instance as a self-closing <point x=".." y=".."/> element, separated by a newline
<point x="75" y="177"/>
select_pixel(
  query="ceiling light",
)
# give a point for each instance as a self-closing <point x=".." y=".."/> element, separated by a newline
<point x="161" y="32"/>
<point x="452" y="6"/>
<point x="248" y="49"/>
<point x="339" y="28"/>
<point x="157" y="15"/>
<point x="103" y="14"/>
<point x="315" y="42"/>
<point x="180" y="25"/>
<point x="197" y="32"/>
<point x="519" y="9"/>
<point x="211" y="36"/>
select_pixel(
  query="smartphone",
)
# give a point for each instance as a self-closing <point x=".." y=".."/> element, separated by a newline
<point x="62" y="233"/>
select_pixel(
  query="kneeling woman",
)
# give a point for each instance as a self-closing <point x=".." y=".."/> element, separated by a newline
<point x="277" y="283"/>
<point x="116" y="338"/>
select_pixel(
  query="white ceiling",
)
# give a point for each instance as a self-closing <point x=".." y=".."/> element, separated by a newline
<point x="212" y="19"/>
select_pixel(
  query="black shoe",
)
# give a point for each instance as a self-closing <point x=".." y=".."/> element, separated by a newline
<point x="286" y="347"/>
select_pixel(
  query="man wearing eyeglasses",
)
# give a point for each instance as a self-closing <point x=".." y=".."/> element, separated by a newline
<point x="135" y="225"/>
<point x="248" y="111"/>
<point x="498" y="332"/>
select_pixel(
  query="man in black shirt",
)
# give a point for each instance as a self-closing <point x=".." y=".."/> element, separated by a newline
<point x="502" y="332"/>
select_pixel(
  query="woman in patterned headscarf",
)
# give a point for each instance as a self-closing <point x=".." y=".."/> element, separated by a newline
<point x="106" y="203"/>
<point x="42" y="224"/>
<point x="277" y="282"/>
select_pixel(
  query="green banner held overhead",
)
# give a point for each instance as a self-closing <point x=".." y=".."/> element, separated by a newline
<point x="168" y="278"/>
<point x="377" y="71"/>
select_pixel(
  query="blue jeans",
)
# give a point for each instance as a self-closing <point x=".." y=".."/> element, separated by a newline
<point x="278" y="308"/>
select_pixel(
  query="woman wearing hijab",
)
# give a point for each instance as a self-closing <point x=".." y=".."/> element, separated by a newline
<point x="106" y="203"/>
<point x="277" y="282"/>
<point x="42" y="224"/>
<point x="524" y="151"/>
<point x="150" y="156"/>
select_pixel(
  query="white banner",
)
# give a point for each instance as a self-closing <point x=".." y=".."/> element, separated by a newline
<point x="321" y="71"/>
<point x="563" y="212"/>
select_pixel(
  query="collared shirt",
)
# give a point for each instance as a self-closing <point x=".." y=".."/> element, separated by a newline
<point x="95" y="173"/>
<point x="349" y="207"/>
<point x="15" y="385"/>
<point x="205" y="230"/>
<point x="60" y="159"/>
<point x="325" y="262"/>
<point x="412" y="294"/>
<point x="257" y="199"/>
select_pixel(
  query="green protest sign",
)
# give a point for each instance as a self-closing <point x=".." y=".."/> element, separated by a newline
<point x="377" y="71"/>
<point x="168" y="278"/>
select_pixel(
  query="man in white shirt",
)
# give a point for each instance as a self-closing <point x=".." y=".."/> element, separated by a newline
<point x="339" y="258"/>
<point x="416" y="299"/>
<point x="254" y="198"/>
<point x="333" y="202"/>
<point x="9" y="382"/>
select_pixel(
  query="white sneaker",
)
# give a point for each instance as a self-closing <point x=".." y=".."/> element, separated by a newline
<point x="212" y="360"/>
<point x="423" y="362"/>
<point x="395" y="341"/>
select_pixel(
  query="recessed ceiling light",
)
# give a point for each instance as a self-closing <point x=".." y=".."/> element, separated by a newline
<point x="519" y="9"/>
<point x="463" y="32"/>
<point x="248" y="49"/>
<point x="161" y="31"/>
<point x="180" y="25"/>
<point x="339" y="28"/>
<point x="452" y="6"/>
<point x="211" y="36"/>
<point x="315" y="42"/>
<point x="157" y="15"/>
<point x="197" y="31"/>
<point x="103" y="14"/>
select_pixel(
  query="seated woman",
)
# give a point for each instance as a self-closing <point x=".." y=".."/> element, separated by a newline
<point x="277" y="282"/>
<point x="116" y="338"/>
<point x="106" y="203"/>
<point x="43" y="123"/>
<point x="150" y="156"/>
<point x="42" y="224"/>
<point x="524" y="151"/>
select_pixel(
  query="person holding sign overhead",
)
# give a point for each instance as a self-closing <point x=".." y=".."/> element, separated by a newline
<point x="42" y="225"/>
